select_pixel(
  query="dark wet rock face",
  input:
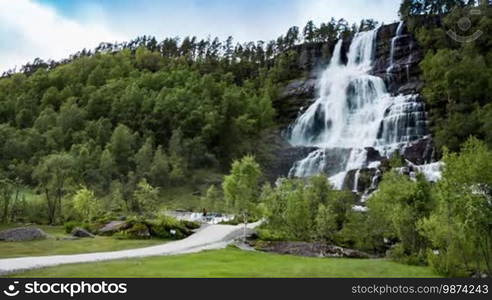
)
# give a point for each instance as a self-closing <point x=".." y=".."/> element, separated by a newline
<point x="313" y="55"/>
<point x="359" y="181"/>
<point x="22" y="234"/>
<point x="374" y="155"/>
<point x="298" y="94"/>
<point x="404" y="77"/>
<point x="420" y="152"/>
<point x="283" y="160"/>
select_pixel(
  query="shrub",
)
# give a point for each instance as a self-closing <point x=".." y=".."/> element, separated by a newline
<point x="91" y="227"/>
<point x="70" y="225"/>
<point x="168" y="227"/>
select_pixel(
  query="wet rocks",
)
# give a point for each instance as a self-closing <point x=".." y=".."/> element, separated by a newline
<point x="406" y="58"/>
<point x="81" y="233"/>
<point x="420" y="152"/>
<point x="316" y="249"/>
<point x="359" y="181"/>
<point x="295" y="96"/>
<point x="284" y="159"/>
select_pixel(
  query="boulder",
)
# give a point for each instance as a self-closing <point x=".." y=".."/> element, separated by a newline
<point x="114" y="226"/>
<point x="22" y="234"/>
<point x="373" y="155"/>
<point x="420" y="152"/>
<point x="139" y="231"/>
<point x="82" y="233"/>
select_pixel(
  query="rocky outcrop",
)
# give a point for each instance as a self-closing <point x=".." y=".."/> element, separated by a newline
<point x="420" y="152"/>
<point x="22" y="234"/>
<point x="114" y="226"/>
<point x="81" y="233"/>
<point x="359" y="181"/>
<point x="316" y="249"/>
<point x="295" y="96"/>
<point x="283" y="159"/>
<point x="313" y="56"/>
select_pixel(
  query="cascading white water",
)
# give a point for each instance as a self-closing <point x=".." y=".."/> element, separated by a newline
<point x="353" y="111"/>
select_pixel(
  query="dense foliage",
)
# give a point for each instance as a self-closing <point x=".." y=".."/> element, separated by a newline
<point x="132" y="118"/>
<point x="457" y="75"/>
<point x="300" y="210"/>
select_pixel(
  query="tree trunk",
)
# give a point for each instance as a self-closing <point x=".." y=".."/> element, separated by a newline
<point x="5" y="209"/>
<point x="51" y="208"/>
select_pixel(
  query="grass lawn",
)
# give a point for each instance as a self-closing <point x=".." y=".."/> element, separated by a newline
<point x="54" y="246"/>
<point x="232" y="262"/>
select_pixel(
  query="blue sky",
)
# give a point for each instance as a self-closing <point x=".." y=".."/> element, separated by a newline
<point x="55" y="28"/>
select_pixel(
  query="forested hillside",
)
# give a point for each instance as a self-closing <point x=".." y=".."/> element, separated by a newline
<point x="142" y="111"/>
<point x="457" y="75"/>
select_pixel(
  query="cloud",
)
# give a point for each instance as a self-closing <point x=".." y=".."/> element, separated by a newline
<point x="351" y="10"/>
<point x="29" y="30"/>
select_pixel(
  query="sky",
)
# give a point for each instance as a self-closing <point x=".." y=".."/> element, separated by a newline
<point x="54" y="29"/>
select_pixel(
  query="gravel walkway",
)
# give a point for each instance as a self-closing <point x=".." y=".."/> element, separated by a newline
<point x="207" y="238"/>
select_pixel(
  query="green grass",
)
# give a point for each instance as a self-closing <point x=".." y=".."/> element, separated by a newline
<point x="55" y="245"/>
<point x="234" y="263"/>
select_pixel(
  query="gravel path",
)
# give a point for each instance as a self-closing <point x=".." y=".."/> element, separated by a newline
<point x="207" y="238"/>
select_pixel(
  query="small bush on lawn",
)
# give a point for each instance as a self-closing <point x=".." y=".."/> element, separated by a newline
<point x="71" y="225"/>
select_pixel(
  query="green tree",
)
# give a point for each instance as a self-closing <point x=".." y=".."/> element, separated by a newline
<point x="459" y="228"/>
<point x="241" y="187"/>
<point x="121" y="147"/>
<point x="159" y="171"/>
<point x="212" y="200"/>
<point x="326" y="225"/>
<point x="177" y="159"/>
<point x="143" y="158"/>
<point x="399" y="205"/>
<point x="54" y="174"/>
<point x="6" y="197"/>
<point x="146" y="198"/>
<point x="85" y="203"/>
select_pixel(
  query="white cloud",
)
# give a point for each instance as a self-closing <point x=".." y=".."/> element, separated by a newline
<point x="351" y="10"/>
<point x="29" y="30"/>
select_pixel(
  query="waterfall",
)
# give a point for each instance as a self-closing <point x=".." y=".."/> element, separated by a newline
<point x="353" y="111"/>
